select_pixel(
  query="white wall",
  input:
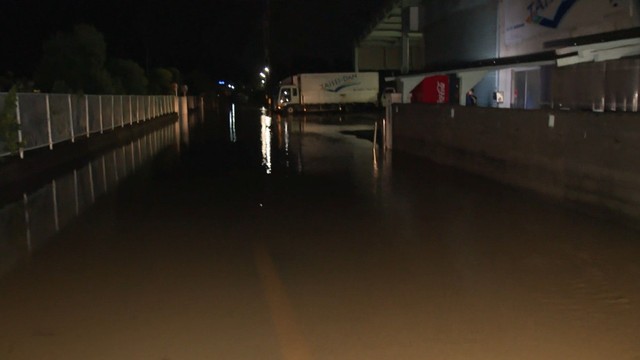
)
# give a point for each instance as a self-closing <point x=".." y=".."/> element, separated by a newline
<point x="523" y="32"/>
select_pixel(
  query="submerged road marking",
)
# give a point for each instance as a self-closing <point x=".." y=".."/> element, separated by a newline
<point x="292" y="343"/>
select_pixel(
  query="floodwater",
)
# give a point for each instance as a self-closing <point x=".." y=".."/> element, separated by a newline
<point x="291" y="238"/>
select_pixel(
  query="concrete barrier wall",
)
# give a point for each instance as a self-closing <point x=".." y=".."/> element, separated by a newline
<point x="588" y="157"/>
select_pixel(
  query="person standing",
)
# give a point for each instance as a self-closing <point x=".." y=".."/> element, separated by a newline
<point x="471" y="100"/>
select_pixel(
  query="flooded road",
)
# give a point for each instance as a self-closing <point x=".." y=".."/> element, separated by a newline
<point x="291" y="238"/>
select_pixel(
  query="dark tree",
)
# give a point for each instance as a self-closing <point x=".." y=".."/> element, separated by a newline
<point x="75" y="62"/>
<point x="160" y="80"/>
<point x="128" y="77"/>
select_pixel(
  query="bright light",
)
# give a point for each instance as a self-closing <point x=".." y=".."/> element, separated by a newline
<point x="266" y="69"/>
<point x="263" y="75"/>
<point x="221" y="82"/>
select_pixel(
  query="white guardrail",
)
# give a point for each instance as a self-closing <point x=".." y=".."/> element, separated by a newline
<point x="47" y="119"/>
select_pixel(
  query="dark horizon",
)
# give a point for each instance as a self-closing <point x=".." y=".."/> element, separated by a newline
<point x="224" y="40"/>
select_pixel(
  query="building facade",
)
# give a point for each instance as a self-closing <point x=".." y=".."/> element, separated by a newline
<point x="574" y="54"/>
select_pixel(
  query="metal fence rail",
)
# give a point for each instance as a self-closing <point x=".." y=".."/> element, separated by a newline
<point x="48" y="119"/>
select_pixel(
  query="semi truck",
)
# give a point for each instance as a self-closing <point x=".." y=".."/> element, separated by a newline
<point x="327" y="91"/>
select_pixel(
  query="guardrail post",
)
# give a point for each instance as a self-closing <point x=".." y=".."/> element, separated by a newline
<point x="121" y="112"/>
<point x="20" y="144"/>
<point x="73" y="133"/>
<point x="46" y="100"/>
<point x="75" y="191"/>
<point x="100" y="108"/>
<point x="54" y="191"/>
<point x="113" y="113"/>
<point x="86" y="114"/>
<point x="115" y="166"/>
<point x="27" y="221"/>
<point x="91" y="187"/>
<point x="104" y="174"/>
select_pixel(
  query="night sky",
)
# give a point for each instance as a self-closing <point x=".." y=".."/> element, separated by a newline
<point x="222" y="38"/>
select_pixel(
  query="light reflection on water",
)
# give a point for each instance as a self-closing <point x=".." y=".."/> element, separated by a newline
<point x="232" y="124"/>
<point x="29" y="223"/>
<point x="265" y="140"/>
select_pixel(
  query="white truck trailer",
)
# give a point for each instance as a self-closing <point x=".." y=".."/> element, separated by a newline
<point x="328" y="91"/>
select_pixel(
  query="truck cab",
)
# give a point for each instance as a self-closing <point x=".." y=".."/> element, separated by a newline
<point x="288" y="98"/>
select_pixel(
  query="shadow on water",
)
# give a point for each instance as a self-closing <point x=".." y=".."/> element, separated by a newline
<point x="362" y="134"/>
<point x="28" y="223"/>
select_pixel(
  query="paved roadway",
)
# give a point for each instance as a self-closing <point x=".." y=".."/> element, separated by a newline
<point x="291" y="239"/>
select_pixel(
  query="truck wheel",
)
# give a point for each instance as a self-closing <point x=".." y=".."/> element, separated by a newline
<point x="290" y="110"/>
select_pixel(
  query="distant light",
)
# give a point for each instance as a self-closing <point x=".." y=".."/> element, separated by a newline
<point x="266" y="69"/>
<point x="221" y="82"/>
<point x="262" y="75"/>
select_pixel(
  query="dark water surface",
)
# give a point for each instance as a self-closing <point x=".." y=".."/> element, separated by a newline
<point x="290" y="238"/>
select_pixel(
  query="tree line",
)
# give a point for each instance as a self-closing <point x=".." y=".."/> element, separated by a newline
<point x="77" y="62"/>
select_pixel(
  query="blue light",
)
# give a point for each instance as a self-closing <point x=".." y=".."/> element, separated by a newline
<point x="221" y="82"/>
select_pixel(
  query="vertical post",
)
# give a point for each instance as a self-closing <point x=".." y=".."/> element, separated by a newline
<point x="130" y="112"/>
<point x="526" y="87"/>
<point x="124" y="159"/>
<point x="115" y="166"/>
<point x="75" y="190"/>
<point x="133" y="158"/>
<point x="20" y="144"/>
<point x="93" y="192"/>
<point x="86" y="114"/>
<point x="137" y="109"/>
<point x="54" y="192"/>
<point x="100" y="108"/>
<point x="356" y="59"/>
<point x="113" y="112"/>
<point x="27" y="221"/>
<point x="71" y="130"/>
<point x="104" y="174"/>
<point x="121" y="112"/>
<point x="406" y="53"/>
<point x="46" y="100"/>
